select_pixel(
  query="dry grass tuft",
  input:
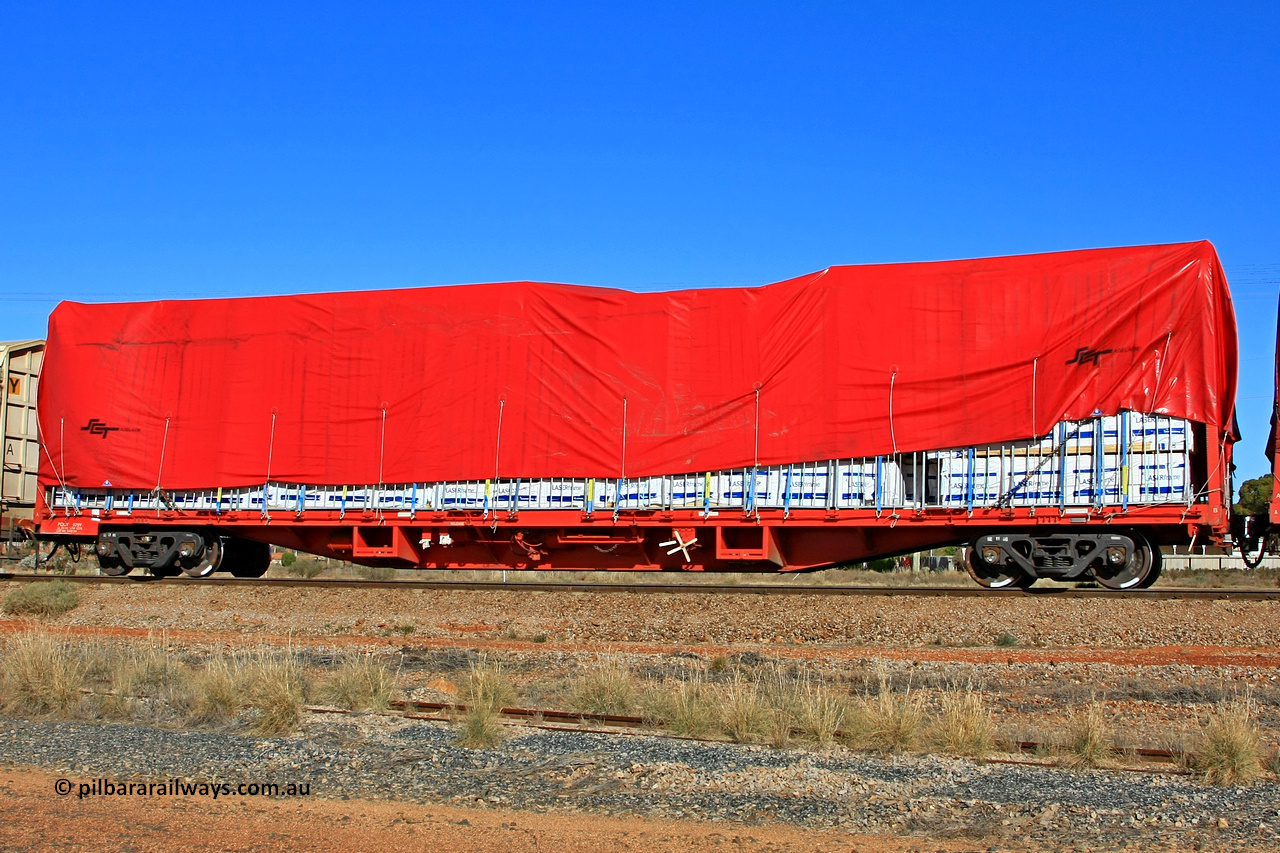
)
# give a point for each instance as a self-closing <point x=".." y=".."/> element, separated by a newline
<point x="485" y="692"/>
<point x="145" y="670"/>
<point x="1088" y="737"/>
<point x="486" y="685"/>
<point x="778" y="693"/>
<point x="692" y="710"/>
<point x="655" y="705"/>
<point x="889" y="722"/>
<point x="480" y="728"/>
<point x="817" y="713"/>
<point x="779" y="707"/>
<point x="964" y="726"/>
<point x="41" y="599"/>
<point x="360" y="684"/>
<point x="148" y="669"/>
<point x="1230" y="750"/>
<point x="275" y="685"/>
<point x="606" y="688"/>
<point x="218" y="691"/>
<point x="745" y="716"/>
<point x="42" y="674"/>
<point x="778" y="728"/>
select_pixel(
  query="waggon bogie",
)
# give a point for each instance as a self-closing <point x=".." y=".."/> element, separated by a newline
<point x="166" y="552"/>
<point x="1116" y="560"/>
<point x="161" y="551"/>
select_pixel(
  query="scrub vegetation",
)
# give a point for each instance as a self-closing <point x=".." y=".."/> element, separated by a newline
<point x="485" y="692"/>
<point x="606" y="688"/>
<point x="360" y="683"/>
<point x="1229" y="751"/>
<point x="265" y="691"/>
<point x="41" y="599"/>
<point x="1089" y="742"/>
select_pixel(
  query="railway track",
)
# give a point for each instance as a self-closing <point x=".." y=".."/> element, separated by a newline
<point x="558" y="720"/>
<point x="1218" y="594"/>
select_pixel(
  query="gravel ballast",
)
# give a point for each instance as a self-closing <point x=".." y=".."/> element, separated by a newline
<point x="891" y="622"/>
<point x="583" y="772"/>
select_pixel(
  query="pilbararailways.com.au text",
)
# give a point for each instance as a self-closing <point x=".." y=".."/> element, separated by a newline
<point x="104" y="787"/>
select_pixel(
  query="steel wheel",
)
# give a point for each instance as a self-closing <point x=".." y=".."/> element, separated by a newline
<point x="245" y="558"/>
<point x="208" y="563"/>
<point x="1140" y="571"/>
<point x="1153" y="574"/>
<point x="994" y="577"/>
<point x="113" y="566"/>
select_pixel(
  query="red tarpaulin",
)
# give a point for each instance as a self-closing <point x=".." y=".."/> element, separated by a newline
<point x="529" y="380"/>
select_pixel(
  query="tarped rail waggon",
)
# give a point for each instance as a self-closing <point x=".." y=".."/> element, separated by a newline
<point x="802" y="420"/>
<point x="1134" y="473"/>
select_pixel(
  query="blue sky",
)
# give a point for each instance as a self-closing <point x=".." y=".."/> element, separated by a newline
<point x="184" y="150"/>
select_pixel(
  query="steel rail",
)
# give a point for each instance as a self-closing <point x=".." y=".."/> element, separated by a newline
<point x="440" y="710"/>
<point x="1212" y="594"/>
<point x="559" y="720"/>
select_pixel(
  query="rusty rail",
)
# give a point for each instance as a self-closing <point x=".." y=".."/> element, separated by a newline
<point x="619" y="723"/>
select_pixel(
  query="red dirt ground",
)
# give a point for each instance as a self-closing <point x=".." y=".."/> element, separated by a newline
<point x="36" y="819"/>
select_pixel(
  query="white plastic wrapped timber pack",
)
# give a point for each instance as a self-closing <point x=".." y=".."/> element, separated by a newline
<point x="1132" y="457"/>
<point x="1141" y="458"/>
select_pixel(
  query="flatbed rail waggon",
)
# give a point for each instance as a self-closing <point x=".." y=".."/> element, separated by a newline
<point x="1062" y="415"/>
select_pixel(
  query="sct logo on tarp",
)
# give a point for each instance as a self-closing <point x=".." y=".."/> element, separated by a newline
<point x="97" y="427"/>
<point x="1087" y="355"/>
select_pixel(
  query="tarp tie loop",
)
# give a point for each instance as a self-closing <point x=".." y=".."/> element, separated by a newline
<point x="382" y="451"/>
<point x="617" y="503"/>
<point x="892" y="435"/>
<point x="755" y="467"/>
<point x="164" y="443"/>
<point x="61" y="452"/>
<point x="1035" y="365"/>
<point x="497" y="459"/>
<point x="266" y="487"/>
<point x="756" y="463"/>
